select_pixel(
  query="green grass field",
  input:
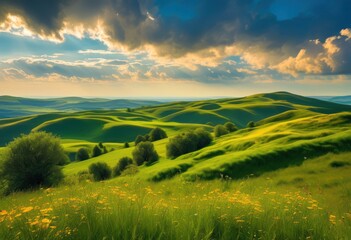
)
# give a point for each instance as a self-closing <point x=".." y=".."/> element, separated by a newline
<point x="287" y="178"/>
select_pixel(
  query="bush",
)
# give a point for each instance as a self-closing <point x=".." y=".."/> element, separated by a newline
<point x="139" y="139"/>
<point x="96" y="151"/>
<point x="188" y="142"/>
<point x="32" y="161"/>
<point x="337" y="164"/>
<point x="121" y="165"/>
<point x="220" y="130"/>
<point x="82" y="154"/>
<point x="144" y="152"/>
<point x="250" y="124"/>
<point x="100" y="171"/>
<point x="230" y="127"/>
<point x="157" y="134"/>
<point x="204" y="138"/>
<point x="126" y="145"/>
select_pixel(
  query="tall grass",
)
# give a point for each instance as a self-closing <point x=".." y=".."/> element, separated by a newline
<point x="169" y="210"/>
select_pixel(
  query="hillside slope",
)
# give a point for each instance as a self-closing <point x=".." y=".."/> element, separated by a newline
<point x="122" y="126"/>
<point x="17" y="106"/>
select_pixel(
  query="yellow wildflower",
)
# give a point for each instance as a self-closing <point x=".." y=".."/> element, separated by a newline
<point x="26" y="209"/>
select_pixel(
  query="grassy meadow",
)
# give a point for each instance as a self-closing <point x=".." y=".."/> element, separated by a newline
<point x="286" y="178"/>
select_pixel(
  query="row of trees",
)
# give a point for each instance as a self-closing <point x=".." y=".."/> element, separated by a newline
<point x="83" y="153"/>
<point x="154" y="135"/>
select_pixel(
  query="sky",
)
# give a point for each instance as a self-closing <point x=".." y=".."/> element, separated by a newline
<point x="174" y="48"/>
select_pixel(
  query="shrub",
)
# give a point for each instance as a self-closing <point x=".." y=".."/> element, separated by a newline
<point x="131" y="169"/>
<point x="32" y="160"/>
<point x="96" y="151"/>
<point x="121" y="165"/>
<point x="157" y="134"/>
<point x="144" y="152"/>
<point x="82" y="154"/>
<point x="220" y="130"/>
<point x="230" y="127"/>
<point x="139" y="139"/>
<point x="126" y="145"/>
<point x="204" y="138"/>
<point x="188" y="142"/>
<point x="337" y="164"/>
<point x="100" y="171"/>
<point x="250" y="124"/>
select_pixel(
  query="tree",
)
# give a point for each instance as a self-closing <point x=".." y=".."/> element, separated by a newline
<point x="144" y="152"/>
<point x="230" y="127"/>
<point x="32" y="161"/>
<point x="220" y="130"/>
<point x="188" y="142"/>
<point x="96" y="151"/>
<point x="250" y="124"/>
<point x="126" y="145"/>
<point x="139" y="139"/>
<point x="82" y="154"/>
<point x="157" y="134"/>
<point x="100" y="171"/>
<point x="121" y="165"/>
<point x="204" y="138"/>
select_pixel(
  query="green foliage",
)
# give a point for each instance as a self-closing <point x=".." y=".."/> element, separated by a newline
<point x="337" y="164"/>
<point x="130" y="170"/>
<point x="121" y="165"/>
<point x="188" y="142"/>
<point x="32" y="160"/>
<point x="250" y="124"/>
<point x="139" y="139"/>
<point x="230" y="127"/>
<point x="144" y="152"/>
<point x="157" y="134"/>
<point x="126" y="145"/>
<point x="96" y="151"/>
<point x="220" y="130"/>
<point x="100" y="171"/>
<point x="82" y="154"/>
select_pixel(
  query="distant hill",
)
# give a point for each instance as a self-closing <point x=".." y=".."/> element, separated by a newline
<point x="17" y="106"/>
<point x="121" y="126"/>
<point x="336" y="99"/>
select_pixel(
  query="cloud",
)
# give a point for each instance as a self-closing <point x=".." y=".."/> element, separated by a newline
<point x="192" y="40"/>
<point x="333" y="56"/>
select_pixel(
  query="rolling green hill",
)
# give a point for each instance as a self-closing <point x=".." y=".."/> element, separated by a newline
<point x="286" y="177"/>
<point x="122" y="126"/>
<point x="17" y="106"/>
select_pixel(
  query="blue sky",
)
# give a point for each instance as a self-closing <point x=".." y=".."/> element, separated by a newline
<point x="159" y="48"/>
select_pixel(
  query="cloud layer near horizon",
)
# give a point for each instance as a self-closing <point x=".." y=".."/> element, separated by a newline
<point x="187" y="40"/>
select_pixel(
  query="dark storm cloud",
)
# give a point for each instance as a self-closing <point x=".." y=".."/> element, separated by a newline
<point x="178" y="27"/>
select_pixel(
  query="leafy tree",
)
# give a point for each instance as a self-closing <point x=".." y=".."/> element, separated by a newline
<point x="139" y="139"/>
<point x="220" y="130"/>
<point x="230" y="127"/>
<point x="82" y="154"/>
<point x="126" y="145"/>
<point x="100" y="171"/>
<point x="32" y="160"/>
<point x="144" y="152"/>
<point x="188" y="142"/>
<point x="104" y="150"/>
<point x="250" y="124"/>
<point x="121" y="165"/>
<point x="204" y="138"/>
<point x="157" y="134"/>
<point x="96" y="151"/>
<point x="101" y="145"/>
